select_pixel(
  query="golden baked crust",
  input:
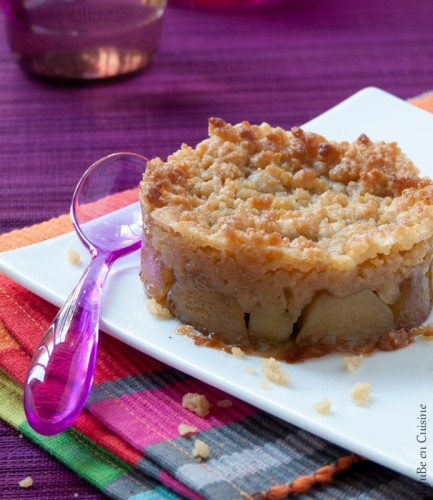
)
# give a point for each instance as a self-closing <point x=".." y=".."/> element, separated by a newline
<point x="264" y="220"/>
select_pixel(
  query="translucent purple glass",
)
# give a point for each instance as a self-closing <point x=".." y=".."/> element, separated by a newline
<point x="61" y="372"/>
<point x="83" y="39"/>
<point x="227" y="4"/>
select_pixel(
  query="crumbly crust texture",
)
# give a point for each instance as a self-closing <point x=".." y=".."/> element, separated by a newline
<point x="274" y="371"/>
<point x="361" y="393"/>
<point x="291" y="199"/>
<point x="201" y="449"/>
<point x="197" y="403"/>
<point x="323" y="407"/>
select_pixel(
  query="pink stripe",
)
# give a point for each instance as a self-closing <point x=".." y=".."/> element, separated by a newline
<point x="218" y="416"/>
<point x="149" y="417"/>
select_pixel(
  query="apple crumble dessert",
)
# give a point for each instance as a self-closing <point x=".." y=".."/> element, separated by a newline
<point x="285" y="242"/>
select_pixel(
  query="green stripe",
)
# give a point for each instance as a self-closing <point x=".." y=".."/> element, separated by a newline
<point x="76" y="451"/>
<point x="95" y="464"/>
<point x="11" y="408"/>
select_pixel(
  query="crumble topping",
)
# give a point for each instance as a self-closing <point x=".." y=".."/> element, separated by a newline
<point x="26" y="482"/>
<point x="352" y="363"/>
<point x="360" y="393"/>
<point x="323" y="407"/>
<point x="72" y="256"/>
<point x="201" y="449"/>
<point x="273" y="370"/>
<point x="293" y="195"/>
<point x="238" y="353"/>
<point x="186" y="430"/>
<point x="197" y="403"/>
<point x="156" y="309"/>
<point x="187" y="331"/>
<point x="426" y="331"/>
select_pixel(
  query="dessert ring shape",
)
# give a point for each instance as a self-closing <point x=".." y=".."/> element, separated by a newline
<point x="287" y="243"/>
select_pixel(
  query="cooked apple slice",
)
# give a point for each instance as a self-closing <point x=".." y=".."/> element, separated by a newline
<point x="413" y="306"/>
<point x="270" y="322"/>
<point x="361" y="317"/>
<point x="202" y="306"/>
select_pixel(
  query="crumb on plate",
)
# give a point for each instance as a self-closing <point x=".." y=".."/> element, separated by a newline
<point x="323" y="407"/>
<point x="238" y="353"/>
<point x="156" y="309"/>
<point x="426" y="331"/>
<point x="361" y="392"/>
<point x="274" y="371"/>
<point x="72" y="256"/>
<point x="352" y="363"/>
<point x="187" y="331"/>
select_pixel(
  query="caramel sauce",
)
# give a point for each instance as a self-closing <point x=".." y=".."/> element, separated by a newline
<point x="291" y="352"/>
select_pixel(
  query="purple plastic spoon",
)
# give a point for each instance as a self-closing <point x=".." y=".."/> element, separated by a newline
<point x="61" y="372"/>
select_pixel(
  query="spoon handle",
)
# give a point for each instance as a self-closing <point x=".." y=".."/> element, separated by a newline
<point x="61" y="371"/>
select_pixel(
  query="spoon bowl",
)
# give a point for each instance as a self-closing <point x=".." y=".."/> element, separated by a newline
<point x="107" y="187"/>
<point x="106" y="216"/>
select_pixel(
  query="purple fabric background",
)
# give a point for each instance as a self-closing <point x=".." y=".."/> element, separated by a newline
<point x="284" y="67"/>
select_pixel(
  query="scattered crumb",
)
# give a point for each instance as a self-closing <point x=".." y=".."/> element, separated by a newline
<point x="187" y="331"/>
<point x="75" y="495"/>
<point x="224" y="403"/>
<point x="250" y="371"/>
<point x="72" y="256"/>
<point x="200" y="449"/>
<point x="238" y="353"/>
<point x="273" y="370"/>
<point x="264" y="384"/>
<point x="426" y="331"/>
<point x="361" y="393"/>
<point x="156" y="309"/>
<point x="186" y="430"/>
<point x="352" y="363"/>
<point x="197" y="403"/>
<point x="323" y="407"/>
<point x="20" y="436"/>
<point x="26" y="482"/>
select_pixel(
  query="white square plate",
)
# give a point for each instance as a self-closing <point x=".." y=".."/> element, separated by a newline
<point x="388" y="430"/>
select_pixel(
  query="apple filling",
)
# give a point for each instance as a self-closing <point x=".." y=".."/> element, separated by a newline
<point x="356" y="322"/>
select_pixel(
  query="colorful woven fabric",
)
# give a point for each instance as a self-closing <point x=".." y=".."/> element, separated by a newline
<point x="126" y="442"/>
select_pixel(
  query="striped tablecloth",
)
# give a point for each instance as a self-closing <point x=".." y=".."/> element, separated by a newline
<point x="284" y="67"/>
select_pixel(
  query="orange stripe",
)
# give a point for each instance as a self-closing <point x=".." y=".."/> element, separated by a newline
<point x="424" y="102"/>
